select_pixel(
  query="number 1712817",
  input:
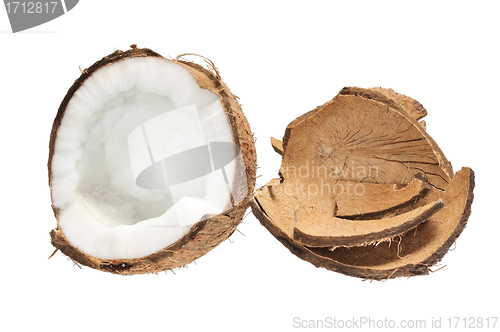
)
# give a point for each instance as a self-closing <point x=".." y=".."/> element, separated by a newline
<point x="472" y="322"/>
<point x="14" y="7"/>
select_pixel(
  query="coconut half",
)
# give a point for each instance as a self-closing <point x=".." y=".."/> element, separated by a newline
<point x="151" y="165"/>
<point x="364" y="190"/>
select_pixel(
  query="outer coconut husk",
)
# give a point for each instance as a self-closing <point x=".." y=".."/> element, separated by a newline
<point x="365" y="128"/>
<point x="204" y="235"/>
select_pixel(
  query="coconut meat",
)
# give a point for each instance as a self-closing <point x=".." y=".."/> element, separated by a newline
<point x="127" y="119"/>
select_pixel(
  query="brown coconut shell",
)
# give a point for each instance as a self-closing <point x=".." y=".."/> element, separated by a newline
<point x="207" y="233"/>
<point x="396" y="228"/>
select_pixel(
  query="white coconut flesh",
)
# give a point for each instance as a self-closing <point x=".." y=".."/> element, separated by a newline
<point x="123" y="178"/>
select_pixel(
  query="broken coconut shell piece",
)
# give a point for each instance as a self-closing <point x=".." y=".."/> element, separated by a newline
<point x="151" y="164"/>
<point x="320" y="230"/>
<point x="364" y="190"/>
<point x="375" y="199"/>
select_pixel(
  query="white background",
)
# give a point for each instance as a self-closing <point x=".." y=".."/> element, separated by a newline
<point x="282" y="58"/>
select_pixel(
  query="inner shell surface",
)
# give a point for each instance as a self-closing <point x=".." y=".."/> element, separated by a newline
<point x="141" y="155"/>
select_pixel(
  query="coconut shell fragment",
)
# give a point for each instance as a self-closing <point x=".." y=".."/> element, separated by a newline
<point x="364" y="190"/>
<point x="211" y="229"/>
<point x="377" y="199"/>
<point x="319" y="231"/>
